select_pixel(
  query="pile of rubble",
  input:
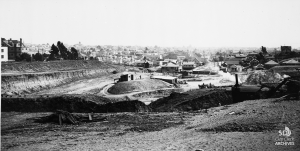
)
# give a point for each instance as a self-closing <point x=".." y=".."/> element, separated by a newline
<point x="258" y="77"/>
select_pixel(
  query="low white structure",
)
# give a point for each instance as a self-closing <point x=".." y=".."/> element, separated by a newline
<point x="4" y="54"/>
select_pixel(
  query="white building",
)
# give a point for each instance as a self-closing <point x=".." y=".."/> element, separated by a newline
<point x="4" y="54"/>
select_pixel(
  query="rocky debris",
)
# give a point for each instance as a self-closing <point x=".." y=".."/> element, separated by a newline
<point x="262" y="76"/>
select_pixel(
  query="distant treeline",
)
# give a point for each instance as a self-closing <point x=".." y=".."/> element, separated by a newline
<point x="57" y="52"/>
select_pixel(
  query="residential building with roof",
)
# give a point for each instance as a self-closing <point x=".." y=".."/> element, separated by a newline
<point x="235" y="68"/>
<point x="232" y="63"/>
<point x="14" y="47"/>
<point x="170" y="68"/>
<point x="168" y="79"/>
<point x="180" y="57"/>
<point x="188" y="65"/>
<point x="291" y="62"/>
<point x="171" y="60"/>
<point x="252" y="54"/>
<point x="197" y="61"/>
<point x="270" y="64"/>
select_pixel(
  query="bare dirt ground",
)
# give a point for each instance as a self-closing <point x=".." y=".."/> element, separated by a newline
<point x="249" y="125"/>
<point x="87" y="86"/>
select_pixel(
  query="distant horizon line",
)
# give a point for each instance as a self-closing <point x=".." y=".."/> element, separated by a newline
<point x="170" y="46"/>
<point x="133" y="45"/>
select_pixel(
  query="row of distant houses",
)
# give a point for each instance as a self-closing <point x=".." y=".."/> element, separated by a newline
<point x="233" y="62"/>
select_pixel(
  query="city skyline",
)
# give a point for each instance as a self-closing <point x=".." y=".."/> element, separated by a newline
<point x="148" y="23"/>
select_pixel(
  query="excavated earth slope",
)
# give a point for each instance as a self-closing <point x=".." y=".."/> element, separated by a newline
<point x="64" y="65"/>
<point x="31" y="77"/>
<point x="192" y="100"/>
<point x="71" y="103"/>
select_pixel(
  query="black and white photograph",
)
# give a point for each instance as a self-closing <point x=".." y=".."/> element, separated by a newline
<point x="150" y="75"/>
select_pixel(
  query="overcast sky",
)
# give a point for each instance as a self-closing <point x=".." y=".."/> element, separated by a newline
<point x="206" y="23"/>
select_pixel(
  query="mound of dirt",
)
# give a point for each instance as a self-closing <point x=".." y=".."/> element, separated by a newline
<point x="138" y="85"/>
<point x="71" y="103"/>
<point x="251" y="116"/>
<point x="192" y="100"/>
<point x="263" y="76"/>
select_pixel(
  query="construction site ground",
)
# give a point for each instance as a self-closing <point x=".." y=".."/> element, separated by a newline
<point x="249" y="125"/>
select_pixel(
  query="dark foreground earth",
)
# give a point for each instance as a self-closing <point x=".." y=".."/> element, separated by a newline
<point x="249" y="125"/>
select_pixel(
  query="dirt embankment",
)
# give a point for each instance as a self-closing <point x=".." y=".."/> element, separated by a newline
<point x="52" y="66"/>
<point x="50" y="74"/>
<point x="70" y="103"/>
<point x="192" y="100"/>
<point x="138" y="86"/>
<point x="158" y="93"/>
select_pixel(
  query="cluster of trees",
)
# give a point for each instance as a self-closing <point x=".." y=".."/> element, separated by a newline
<point x="249" y="62"/>
<point x="61" y="52"/>
<point x="292" y="54"/>
<point x="35" y="57"/>
<point x="23" y="57"/>
<point x="56" y="53"/>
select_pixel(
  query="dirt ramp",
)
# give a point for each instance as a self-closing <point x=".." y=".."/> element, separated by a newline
<point x="193" y="100"/>
<point x="74" y="103"/>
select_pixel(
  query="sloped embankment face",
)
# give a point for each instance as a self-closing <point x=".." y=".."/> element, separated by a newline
<point x="52" y="66"/>
<point x="70" y="103"/>
<point x="138" y="86"/>
<point x="27" y="83"/>
<point x="14" y="84"/>
<point x="193" y="100"/>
